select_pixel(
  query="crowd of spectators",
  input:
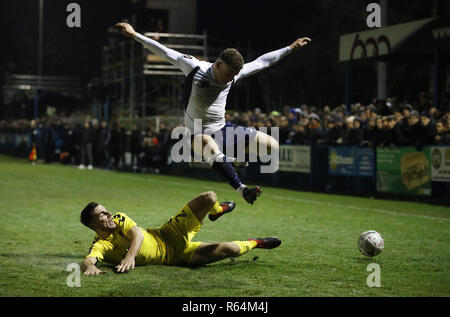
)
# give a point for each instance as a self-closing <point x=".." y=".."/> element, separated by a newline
<point x="372" y="125"/>
<point x="87" y="143"/>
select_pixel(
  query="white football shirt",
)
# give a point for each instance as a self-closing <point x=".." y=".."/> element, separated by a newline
<point x="208" y="98"/>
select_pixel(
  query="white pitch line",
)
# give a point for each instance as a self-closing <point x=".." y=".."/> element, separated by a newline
<point x="395" y="213"/>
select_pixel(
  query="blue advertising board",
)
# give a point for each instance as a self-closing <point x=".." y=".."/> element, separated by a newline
<point x="351" y="161"/>
<point x="365" y="162"/>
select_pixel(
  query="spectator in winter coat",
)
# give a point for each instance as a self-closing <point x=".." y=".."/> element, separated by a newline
<point x="332" y="133"/>
<point x="443" y="134"/>
<point x="86" y="141"/>
<point x="415" y="131"/>
<point x="314" y="129"/>
<point x="355" y="132"/>
<point x="429" y="129"/>
<point x="135" y="146"/>
<point x="103" y="137"/>
<point x="117" y="146"/>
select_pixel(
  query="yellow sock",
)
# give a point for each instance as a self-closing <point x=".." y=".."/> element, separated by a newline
<point x="215" y="209"/>
<point x="245" y="246"/>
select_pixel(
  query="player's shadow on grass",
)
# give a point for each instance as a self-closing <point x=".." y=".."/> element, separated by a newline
<point x="229" y="263"/>
<point x="44" y="255"/>
<point x="233" y="263"/>
<point x="65" y="255"/>
<point x="364" y="260"/>
<point x="112" y="268"/>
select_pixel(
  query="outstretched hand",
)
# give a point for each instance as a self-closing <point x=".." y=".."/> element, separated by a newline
<point x="299" y="43"/>
<point x="126" y="264"/>
<point x="92" y="270"/>
<point x="126" y="29"/>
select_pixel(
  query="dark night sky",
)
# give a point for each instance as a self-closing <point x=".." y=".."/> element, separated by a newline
<point x="72" y="52"/>
<point x="78" y="50"/>
<point x="264" y="25"/>
<point x="268" y="24"/>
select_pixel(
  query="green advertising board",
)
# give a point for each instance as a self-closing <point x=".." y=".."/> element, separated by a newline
<point x="404" y="171"/>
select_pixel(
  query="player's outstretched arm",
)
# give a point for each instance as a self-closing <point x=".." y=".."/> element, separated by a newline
<point x="173" y="57"/>
<point x="136" y="237"/>
<point x="89" y="268"/>
<point x="268" y="59"/>
<point x="155" y="47"/>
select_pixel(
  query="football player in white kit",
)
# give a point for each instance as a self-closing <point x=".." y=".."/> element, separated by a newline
<point x="207" y="87"/>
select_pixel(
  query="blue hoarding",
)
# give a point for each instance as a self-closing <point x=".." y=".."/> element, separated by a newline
<point x="351" y="161"/>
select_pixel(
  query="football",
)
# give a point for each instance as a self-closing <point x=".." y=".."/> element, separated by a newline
<point x="370" y="243"/>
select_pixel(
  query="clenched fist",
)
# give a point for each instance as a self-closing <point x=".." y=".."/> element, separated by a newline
<point x="126" y="29"/>
<point x="300" y="43"/>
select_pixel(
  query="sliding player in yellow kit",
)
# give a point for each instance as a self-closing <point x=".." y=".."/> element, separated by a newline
<point x="122" y="242"/>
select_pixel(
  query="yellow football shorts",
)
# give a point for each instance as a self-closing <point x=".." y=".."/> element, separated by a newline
<point x="177" y="234"/>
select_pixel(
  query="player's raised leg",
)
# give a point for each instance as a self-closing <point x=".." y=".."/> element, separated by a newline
<point x="207" y="203"/>
<point x="205" y="147"/>
<point x="266" y="147"/>
<point x="263" y="144"/>
<point x="212" y="252"/>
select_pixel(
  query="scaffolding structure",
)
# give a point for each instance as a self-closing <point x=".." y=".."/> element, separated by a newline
<point x="141" y="84"/>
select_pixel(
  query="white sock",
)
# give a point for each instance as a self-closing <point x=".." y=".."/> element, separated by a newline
<point x="218" y="157"/>
<point x="241" y="189"/>
<point x="231" y="159"/>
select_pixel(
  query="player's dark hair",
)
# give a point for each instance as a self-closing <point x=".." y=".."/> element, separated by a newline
<point x="86" y="213"/>
<point x="232" y="57"/>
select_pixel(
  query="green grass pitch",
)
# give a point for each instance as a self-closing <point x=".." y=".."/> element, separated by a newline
<point x="41" y="235"/>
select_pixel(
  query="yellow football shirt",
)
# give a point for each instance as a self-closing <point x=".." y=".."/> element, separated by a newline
<point x="114" y="248"/>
